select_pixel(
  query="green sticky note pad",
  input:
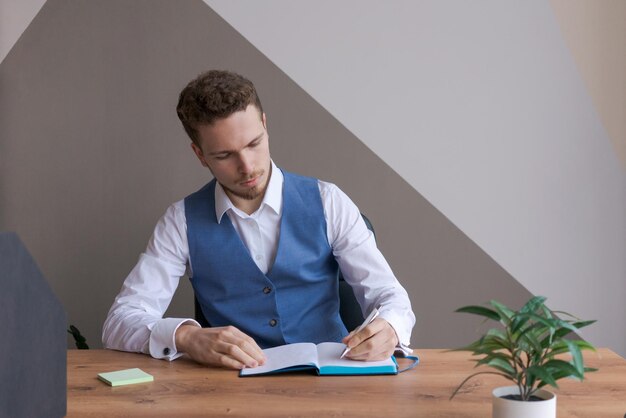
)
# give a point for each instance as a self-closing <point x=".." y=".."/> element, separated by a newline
<point x="125" y="377"/>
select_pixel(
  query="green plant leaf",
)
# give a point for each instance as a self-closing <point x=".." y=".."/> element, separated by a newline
<point x="550" y="324"/>
<point x="496" y="333"/>
<point x="542" y="374"/>
<point x="546" y="313"/>
<point x="517" y="323"/>
<point x="548" y="341"/>
<point x="566" y="325"/>
<point x="476" y="374"/>
<point x="497" y="339"/>
<point x="582" y="324"/>
<point x="584" y="345"/>
<point x="529" y="341"/>
<point x="563" y="313"/>
<point x="561" y="347"/>
<point x="560" y="369"/>
<point x="481" y="346"/>
<point x="556" y="365"/>
<point x="556" y="376"/>
<point x="536" y="330"/>
<point x="499" y="363"/>
<point x="521" y="324"/>
<point x="577" y="325"/>
<point x="558" y="346"/>
<point x="504" y="313"/>
<point x="481" y="311"/>
<point x="504" y="355"/>
<point x="577" y="358"/>
<point x="533" y="304"/>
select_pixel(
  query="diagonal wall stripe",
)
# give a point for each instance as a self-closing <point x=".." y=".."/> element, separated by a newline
<point x="15" y="16"/>
<point x="92" y="154"/>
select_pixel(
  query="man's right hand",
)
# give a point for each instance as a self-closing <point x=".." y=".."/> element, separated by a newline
<point x="221" y="346"/>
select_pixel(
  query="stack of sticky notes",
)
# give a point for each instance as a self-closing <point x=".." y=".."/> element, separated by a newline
<point x="125" y="377"/>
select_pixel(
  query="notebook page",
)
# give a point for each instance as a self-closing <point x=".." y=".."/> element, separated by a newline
<point x="329" y="353"/>
<point x="299" y="354"/>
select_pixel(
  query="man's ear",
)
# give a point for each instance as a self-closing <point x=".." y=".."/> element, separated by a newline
<point x="264" y="120"/>
<point x="198" y="151"/>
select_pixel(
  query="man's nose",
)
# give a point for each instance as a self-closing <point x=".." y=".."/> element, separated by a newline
<point x="245" y="163"/>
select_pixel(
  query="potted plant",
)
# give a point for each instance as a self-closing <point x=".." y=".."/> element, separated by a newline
<point x="524" y="350"/>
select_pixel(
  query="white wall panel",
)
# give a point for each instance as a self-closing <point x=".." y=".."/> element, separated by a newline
<point x="480" y="107"/>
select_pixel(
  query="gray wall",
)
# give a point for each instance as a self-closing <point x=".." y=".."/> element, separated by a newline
<point x="91" y="153"/>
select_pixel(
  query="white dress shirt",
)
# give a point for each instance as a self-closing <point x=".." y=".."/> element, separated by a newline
<point x="135" y="321"/>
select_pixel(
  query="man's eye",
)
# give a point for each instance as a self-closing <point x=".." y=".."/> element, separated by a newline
<point x="222" y="156"/>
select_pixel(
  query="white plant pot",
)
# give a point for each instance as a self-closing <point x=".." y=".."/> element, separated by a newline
<point x="508" y="408"/>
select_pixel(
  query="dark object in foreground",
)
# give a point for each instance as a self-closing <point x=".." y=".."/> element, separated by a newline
<point x="33" y="370"/>
<point x="79" y="340"/>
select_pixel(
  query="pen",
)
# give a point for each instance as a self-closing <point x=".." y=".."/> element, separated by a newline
<point x="365" y="323"/>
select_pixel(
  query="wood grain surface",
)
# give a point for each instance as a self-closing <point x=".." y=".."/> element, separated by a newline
<point x="184" y="388"/>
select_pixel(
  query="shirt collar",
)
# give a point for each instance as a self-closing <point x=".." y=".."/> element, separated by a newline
<point x="273" y="196"/>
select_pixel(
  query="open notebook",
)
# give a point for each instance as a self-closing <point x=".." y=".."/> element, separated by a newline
<point x="323" y="358"/>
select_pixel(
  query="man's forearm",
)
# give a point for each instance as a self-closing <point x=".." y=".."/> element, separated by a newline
<point x="127" y="331"/>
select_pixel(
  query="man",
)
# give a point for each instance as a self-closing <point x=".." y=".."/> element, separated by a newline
<point x="262" y="248"/>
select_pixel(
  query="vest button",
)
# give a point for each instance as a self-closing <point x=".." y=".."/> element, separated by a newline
<point x="273" y="323"/>
<point x="266" y="290"/>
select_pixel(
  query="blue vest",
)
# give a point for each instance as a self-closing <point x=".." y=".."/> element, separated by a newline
<point x="297" y="301"/>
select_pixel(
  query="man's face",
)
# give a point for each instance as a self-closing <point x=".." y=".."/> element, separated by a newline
<point x="236" y="150"/>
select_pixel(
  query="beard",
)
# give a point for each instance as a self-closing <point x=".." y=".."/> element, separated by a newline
<point x="253" y="192"/>
<point x="249" y="194"/>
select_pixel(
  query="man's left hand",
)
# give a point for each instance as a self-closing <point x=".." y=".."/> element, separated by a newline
<point x="377" y="341"/>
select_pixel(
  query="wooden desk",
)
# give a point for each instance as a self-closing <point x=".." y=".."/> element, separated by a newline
<point x="183" y="388"/>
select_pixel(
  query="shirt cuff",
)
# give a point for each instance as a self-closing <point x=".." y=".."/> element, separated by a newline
<point x="397" y="325"/>
<point x="163" y="338"/>
<point x="404" y="349"/>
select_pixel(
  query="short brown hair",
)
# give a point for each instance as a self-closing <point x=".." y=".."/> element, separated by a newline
<point x="214" y="95"/>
